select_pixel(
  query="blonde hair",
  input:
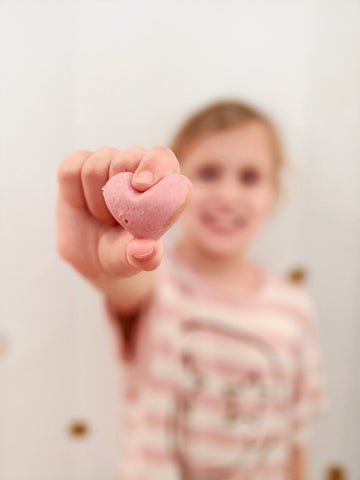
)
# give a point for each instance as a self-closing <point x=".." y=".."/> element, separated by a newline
<point x="222" y="115"/>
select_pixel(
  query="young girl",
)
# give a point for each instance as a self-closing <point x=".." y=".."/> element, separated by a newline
<point x="221" y="370"/>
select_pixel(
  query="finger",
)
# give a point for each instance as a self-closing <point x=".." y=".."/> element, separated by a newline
<point x="69" y="178"/>
<point x="94" y="175"/>
<point x="145" y="254"/>
<point x="127" y="160"/>
<point x="122" y="255"/>
<point x="155" y="164"/>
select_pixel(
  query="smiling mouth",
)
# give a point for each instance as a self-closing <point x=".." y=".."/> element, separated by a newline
<point x="225" y="225"/>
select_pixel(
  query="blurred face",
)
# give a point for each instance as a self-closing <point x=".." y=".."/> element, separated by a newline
<point x="232" y="173"/>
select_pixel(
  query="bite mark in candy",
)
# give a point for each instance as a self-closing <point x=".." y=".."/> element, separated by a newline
<point x="151" y="213"/>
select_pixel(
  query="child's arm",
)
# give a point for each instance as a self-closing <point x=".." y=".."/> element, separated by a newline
<point x="298" y="463"/>
<point x="87" y="235"/>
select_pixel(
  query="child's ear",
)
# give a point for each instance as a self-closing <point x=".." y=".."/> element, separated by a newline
<point x="274" y="200"/>
<point x="279" y="198"/>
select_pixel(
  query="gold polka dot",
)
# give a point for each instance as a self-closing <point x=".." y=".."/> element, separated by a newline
<point x="297" y="275"/>
<point x="336" y="472"/>
<point x="78" y="429"/>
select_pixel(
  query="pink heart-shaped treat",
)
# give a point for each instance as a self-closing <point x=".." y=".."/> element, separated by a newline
<point x="151" y="213"/>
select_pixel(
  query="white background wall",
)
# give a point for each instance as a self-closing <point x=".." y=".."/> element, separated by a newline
<point x="88" y="73"/>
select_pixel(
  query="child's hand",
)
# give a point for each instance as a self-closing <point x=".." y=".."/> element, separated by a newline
<point x="88" y="237"/>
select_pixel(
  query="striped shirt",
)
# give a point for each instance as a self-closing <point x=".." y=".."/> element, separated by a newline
<point x="221" y="385"/>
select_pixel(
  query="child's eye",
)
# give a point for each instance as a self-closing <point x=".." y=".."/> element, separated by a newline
<point x="250" y="176"/>
<point x="208" y="173"/>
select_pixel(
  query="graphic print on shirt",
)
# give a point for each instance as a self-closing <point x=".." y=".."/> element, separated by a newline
<point x="223" y="408"/>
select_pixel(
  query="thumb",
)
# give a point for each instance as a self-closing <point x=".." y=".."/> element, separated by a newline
<point x="122" y="255"/>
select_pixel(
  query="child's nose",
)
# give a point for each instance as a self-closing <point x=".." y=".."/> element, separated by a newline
<point x="231" y="191"/>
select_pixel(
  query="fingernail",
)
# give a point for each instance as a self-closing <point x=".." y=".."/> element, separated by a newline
<point x="146" y="178"/>
<point x="145" y="254"/>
